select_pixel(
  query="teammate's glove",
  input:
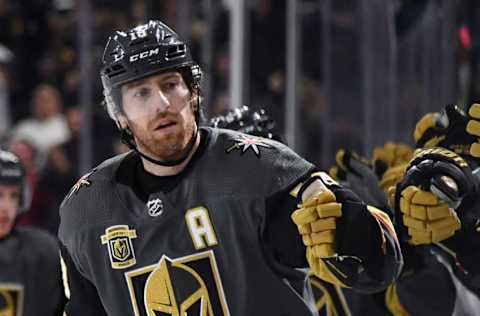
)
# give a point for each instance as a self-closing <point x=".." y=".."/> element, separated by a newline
<point x="434" y="179"/>
<point x="357" y="173"/>
<point x="316" y="220"/>
<point x="473" y="128"/>
<point x="391" y="155"/>
<point x="390" y="162"/>
<point x="426" y="217"/>
<point x="446" y="129"/>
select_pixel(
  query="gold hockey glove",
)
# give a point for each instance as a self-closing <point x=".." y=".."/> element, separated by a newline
<point x="452" y="129"/>
<point x="390" y="162"/>
<point x="316" y="220"/>
<point x="473" y="128"/>
<point x="434" y="184"/>
<point x="426" y="217"/>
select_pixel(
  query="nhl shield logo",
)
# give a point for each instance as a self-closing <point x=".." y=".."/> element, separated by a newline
<point x="119" y="244"/>
<point x="155" y="207"/>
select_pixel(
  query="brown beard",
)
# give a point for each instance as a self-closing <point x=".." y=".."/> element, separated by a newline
<point x="172" y="146"/>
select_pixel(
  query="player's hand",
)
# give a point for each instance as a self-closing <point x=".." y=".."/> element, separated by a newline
<point x="473" y="128"/>
<point x="434" y="184"/>
<point x="316" y="221"/>
<point x="390" y="162"/>
<point x="391" y="155"/>
<point x="426" y="218"/>
<point x="449" y="129"/>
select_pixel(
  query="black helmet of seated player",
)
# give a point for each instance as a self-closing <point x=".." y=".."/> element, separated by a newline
<point x="242" y="119"/>
<point x="142" y="51"/>
<point x="13" y="173"/>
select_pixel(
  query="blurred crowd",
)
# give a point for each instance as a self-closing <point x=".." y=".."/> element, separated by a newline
<point x="41" y="118"/>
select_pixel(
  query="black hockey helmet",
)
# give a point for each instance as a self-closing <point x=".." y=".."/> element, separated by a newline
<point x="243" y="119"/>
<point x="140" y="52"/>
<point x="12" y="172"/>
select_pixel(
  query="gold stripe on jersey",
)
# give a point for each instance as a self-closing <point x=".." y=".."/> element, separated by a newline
<point x="66" y="285"/>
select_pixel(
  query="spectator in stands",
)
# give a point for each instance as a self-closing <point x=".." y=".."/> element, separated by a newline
<point x="47" y="126"/>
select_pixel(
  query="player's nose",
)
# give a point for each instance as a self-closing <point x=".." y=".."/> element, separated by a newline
<point x="161" y="103"/>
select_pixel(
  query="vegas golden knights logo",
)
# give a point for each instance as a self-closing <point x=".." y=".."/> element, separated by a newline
<point x="189" y="285"/>
<point x="11" y="300"/>
<point x="120" y="248"/>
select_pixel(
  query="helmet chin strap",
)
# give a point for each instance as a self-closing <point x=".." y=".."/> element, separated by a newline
<point x="127" y="137"/>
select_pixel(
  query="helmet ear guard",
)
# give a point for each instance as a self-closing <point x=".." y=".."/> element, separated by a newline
<point x="12" y="172"/>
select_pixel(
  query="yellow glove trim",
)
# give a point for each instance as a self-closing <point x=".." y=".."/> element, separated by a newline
<point x="333" y="172"/>
<point x="414" y="223"/>
<point x="474" y="111"/>
<point x="473" y="127"/>
<point x="440" y="211"/>
<point x="326" y="301"/>
<point x="323" y="224"/>
<point x="339" y="158"/>
<point x="322" y="251"/>
<point x="426" y="122"/>
<point x="392" y="301"/>
<point x="304" y="229"/>
<point x="329" y="210"/>
<point x="440" y="224"/>
<point x="475" y="150"/>
<point x="304" y="216"/>
<point x="319" y="238"/>
<point x="321" y="270"/>
<point x="434" y="141"/>
<point x="327" y="236"/>
<point x="418" y="211"/>
<point x="392" y="176"/>
<point x="424" y="198"/>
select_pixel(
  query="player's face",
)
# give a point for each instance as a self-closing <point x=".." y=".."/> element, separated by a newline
<point x="160" y="111"/>
<point x="9" y="203"/>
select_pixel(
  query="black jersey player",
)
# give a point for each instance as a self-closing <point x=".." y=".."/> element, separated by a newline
<point x="30" y="281"/>
<point x="205" y="221"/>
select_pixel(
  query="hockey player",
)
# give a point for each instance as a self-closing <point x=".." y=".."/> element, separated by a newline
<point x="198" y="221"/>
<point x="30" y="280"/>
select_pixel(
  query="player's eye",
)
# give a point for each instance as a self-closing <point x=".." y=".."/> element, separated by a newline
<point x="170" y="85"/>
<point x="142" y="93"/>
<point x="15" y="195"/>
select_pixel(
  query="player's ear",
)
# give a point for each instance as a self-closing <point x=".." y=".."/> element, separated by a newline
<point x="194" y="100"/>
<point x="122" y="122"/>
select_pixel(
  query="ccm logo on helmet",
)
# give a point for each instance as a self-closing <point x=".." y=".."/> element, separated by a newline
<point x="143" y="55"/>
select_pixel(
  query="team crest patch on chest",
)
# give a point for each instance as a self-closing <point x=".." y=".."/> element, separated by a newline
<point x="244" y="142"/>
<point x="189" y="285"/>
<point x="11" y="299"/>
<point x="118" y="239"/>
